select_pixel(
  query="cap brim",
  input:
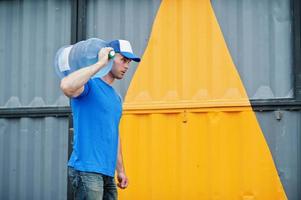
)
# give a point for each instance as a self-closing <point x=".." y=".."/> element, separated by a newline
<point x="130" y="56"/>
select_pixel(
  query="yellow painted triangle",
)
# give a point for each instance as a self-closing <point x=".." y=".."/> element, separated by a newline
<point x="209" y="154"/>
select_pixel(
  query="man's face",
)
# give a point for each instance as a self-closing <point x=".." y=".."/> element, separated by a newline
<point x="120" y="66"/>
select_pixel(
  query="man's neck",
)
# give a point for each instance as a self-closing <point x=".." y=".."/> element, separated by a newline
<point x="108" y="78"/>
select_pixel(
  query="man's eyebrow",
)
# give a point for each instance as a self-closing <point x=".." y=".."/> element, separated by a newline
<point x="127" y="59"/>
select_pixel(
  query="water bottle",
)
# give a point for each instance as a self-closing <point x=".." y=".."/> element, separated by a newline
<point x="82" y="54"/>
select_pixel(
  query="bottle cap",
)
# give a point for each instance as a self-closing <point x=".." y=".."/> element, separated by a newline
<point x="111" y="54"/>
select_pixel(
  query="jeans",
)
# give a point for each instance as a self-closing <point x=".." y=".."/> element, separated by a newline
<point x="92" y="186"/>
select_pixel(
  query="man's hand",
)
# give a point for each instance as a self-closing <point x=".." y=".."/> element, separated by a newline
<point x="103" y="55"/>
<point x="123" y="181"/>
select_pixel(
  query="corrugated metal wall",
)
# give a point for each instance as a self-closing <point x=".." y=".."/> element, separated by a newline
<point x="33" y="151"/>
<point x="222" y="152"/>
<point x="131" y="20"/>
<point x="282" y="131"/>
<point x="196" y="154"/>
<point x="33" y="156"/>
<point x="30" y="34"/>
<point x="259" y="35"/>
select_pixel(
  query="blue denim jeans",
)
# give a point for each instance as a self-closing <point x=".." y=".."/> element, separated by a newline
<point x="92" y="186"/>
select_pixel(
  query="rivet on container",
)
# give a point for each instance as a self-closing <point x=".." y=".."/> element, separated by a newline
<point x="184" y="120"/>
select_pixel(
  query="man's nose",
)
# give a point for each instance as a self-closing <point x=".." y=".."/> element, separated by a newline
<point x="126" y="66"/>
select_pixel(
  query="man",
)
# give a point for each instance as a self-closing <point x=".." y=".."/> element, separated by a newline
<point x="97" y="110"/>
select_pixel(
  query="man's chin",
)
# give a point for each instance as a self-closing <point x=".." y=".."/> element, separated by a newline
<point x="119" y="77"/>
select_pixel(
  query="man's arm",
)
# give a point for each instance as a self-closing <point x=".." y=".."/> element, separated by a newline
<point x="73" y="84"/>
<point x="121" y="176"/>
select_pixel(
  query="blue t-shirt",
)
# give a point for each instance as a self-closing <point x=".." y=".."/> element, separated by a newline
<point x="96" y="116"/>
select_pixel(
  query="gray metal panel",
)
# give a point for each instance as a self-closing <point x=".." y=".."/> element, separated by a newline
<point x="131" y="20"/>
<point x="282" y="131"/>
<point x="33" y="157"/>
<point x="258" y="34"/>
<point x="30" y="33"/>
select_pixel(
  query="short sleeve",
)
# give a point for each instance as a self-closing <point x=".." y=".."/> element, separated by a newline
<point x="87" y="88"/>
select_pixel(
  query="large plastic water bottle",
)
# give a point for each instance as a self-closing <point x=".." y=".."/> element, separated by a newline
<point x="82" y="54"/>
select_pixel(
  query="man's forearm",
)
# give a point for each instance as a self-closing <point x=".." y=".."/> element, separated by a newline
<point x="73" y="84"/>
<point x="121" y="175"/>
<point x="79" y="78"/>
<point x="120" y="167"/>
